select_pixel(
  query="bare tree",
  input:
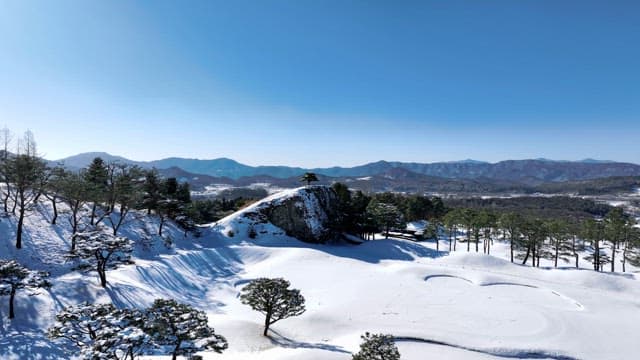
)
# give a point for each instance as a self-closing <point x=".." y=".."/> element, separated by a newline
<point x="5" y="141"/>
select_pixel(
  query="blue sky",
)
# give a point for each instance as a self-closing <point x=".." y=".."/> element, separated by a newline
<point x="318" y="83"/>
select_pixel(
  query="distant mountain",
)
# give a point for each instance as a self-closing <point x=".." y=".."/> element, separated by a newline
<point x="83" y="160"/>
<point x="529" y="172"/>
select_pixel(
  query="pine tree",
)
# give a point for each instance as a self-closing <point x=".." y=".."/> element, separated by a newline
<point x="125" y="190"/>
<point x="386" y="215"/>
<point x="309" y="177"/>
<point x="377" y="347"/>
<point x="76" y="192"/>
<point x="96" y="176"/>
<point x="274" y="299"/>
<point x="27" y="175"/>
<point x="103" y="251"/>
<point x="614" y="228"/>
<point x="182" y="328"/>
<point x="558" y="232"/>
<point x="153" y="192"/>
<point x="511" y="223"/>
<point x="14" y="277"/>
<point x="100" y="331"/>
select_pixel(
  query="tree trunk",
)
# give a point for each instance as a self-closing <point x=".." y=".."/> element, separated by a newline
<point x="468" y="239"/>
<point x="161" y="225"/>
<point x="6" y="199"/>
<point x="73" y="242"/>
<point x="15" y="204"/>
<point x="267" y="322"/>
<point x="55" y="210"/>
<point x="526" y="257"/>
<point x="477" y="240"/>
<point x="613" y="257"/>
<point x="511" y="246"/>
<point x="102" y="270"/>
<point x="175" y="350"/>
<point x="19" y="230"/>
<point x="93" y="213"/>
<point x="557" y="250"/>
<point x="12" y="296"/>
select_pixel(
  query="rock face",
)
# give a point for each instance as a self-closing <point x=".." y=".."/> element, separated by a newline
<point x="306" y="215"/>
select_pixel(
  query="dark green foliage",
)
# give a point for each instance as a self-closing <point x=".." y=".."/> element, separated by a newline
<point x="210" y="210"/>
<point x="101" y="331"/>
<point x="27" y="175"/>
<point x="387" y="216"/>
<point x="182" y="328"/>
<point x="309" y="177"/>
<point x="96" y="177"/>
<point x="274" y="299"/>
<point x="377" y="347"/>
<point x="153" y="190"/>
<point x="542" y="207"/>
<point x="103" y="252"/>
<point x="14" y="277"/>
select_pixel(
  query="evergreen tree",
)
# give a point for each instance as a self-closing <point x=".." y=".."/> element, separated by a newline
<point x="100" y="331"/>
<point x="451" y="220"/>
<point x="27" y="174"/>
<point x="76" y="192"/>
<point x="614" y="228"/>
<point x="96" y="177"/>
<point x="534" y="234"/>
<point x="308" y="177"/>
<point x="631" y="251"/>
<point x="377" y="347"/>
<point x="153" y="190"/>
<point x="14" y="277"/>
<point x="125" y="190"/>
<point x="558" y="232"/>
<point x="52" y="189"/>
<point x="274" y="299"/>
<point x="511" y="223"/>
<point x="418" y="208"/>
<point x="182" y="328"/>
<point x="103" y="251"/>
<point x="386" y="216"/>
<point x="593" y="231"/>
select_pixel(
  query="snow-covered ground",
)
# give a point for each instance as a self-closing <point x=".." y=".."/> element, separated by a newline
<point x="450" y="306"/>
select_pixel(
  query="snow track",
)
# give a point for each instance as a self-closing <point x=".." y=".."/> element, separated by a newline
<point x="499" y="353"/>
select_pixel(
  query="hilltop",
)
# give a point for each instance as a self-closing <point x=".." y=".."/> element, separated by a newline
<point x="438" y="304"/>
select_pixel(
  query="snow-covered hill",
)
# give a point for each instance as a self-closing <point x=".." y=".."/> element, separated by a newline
<point x="439" y="305"/>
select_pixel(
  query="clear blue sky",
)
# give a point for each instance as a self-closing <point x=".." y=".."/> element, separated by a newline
<point x="316" y="83"/>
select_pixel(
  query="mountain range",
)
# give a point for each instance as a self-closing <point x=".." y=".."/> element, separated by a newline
<point x="530" y="171"/>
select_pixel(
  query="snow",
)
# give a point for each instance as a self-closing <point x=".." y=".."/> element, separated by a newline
<point x="419" y="225"/>
<point x="456" y="306"/>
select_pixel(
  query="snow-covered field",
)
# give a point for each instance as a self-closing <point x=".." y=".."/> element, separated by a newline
<point x="440" y="305"/>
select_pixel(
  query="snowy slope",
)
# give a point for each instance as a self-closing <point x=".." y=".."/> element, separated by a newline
<point x="454" y="306"/>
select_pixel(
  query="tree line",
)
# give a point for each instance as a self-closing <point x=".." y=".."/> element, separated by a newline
<point x="557" y="228"/>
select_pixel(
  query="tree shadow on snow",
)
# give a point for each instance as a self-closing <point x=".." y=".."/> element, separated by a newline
<point x="372" y="251"/>
<point x="29" y="345"/>
<point x="283" y="341"/>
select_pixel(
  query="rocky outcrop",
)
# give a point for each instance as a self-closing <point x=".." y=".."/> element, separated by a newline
<point x="306" y="215"/>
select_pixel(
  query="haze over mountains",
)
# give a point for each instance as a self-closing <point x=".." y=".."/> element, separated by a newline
<point x="534" y="175"/>
<point x="508" y="170"/>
